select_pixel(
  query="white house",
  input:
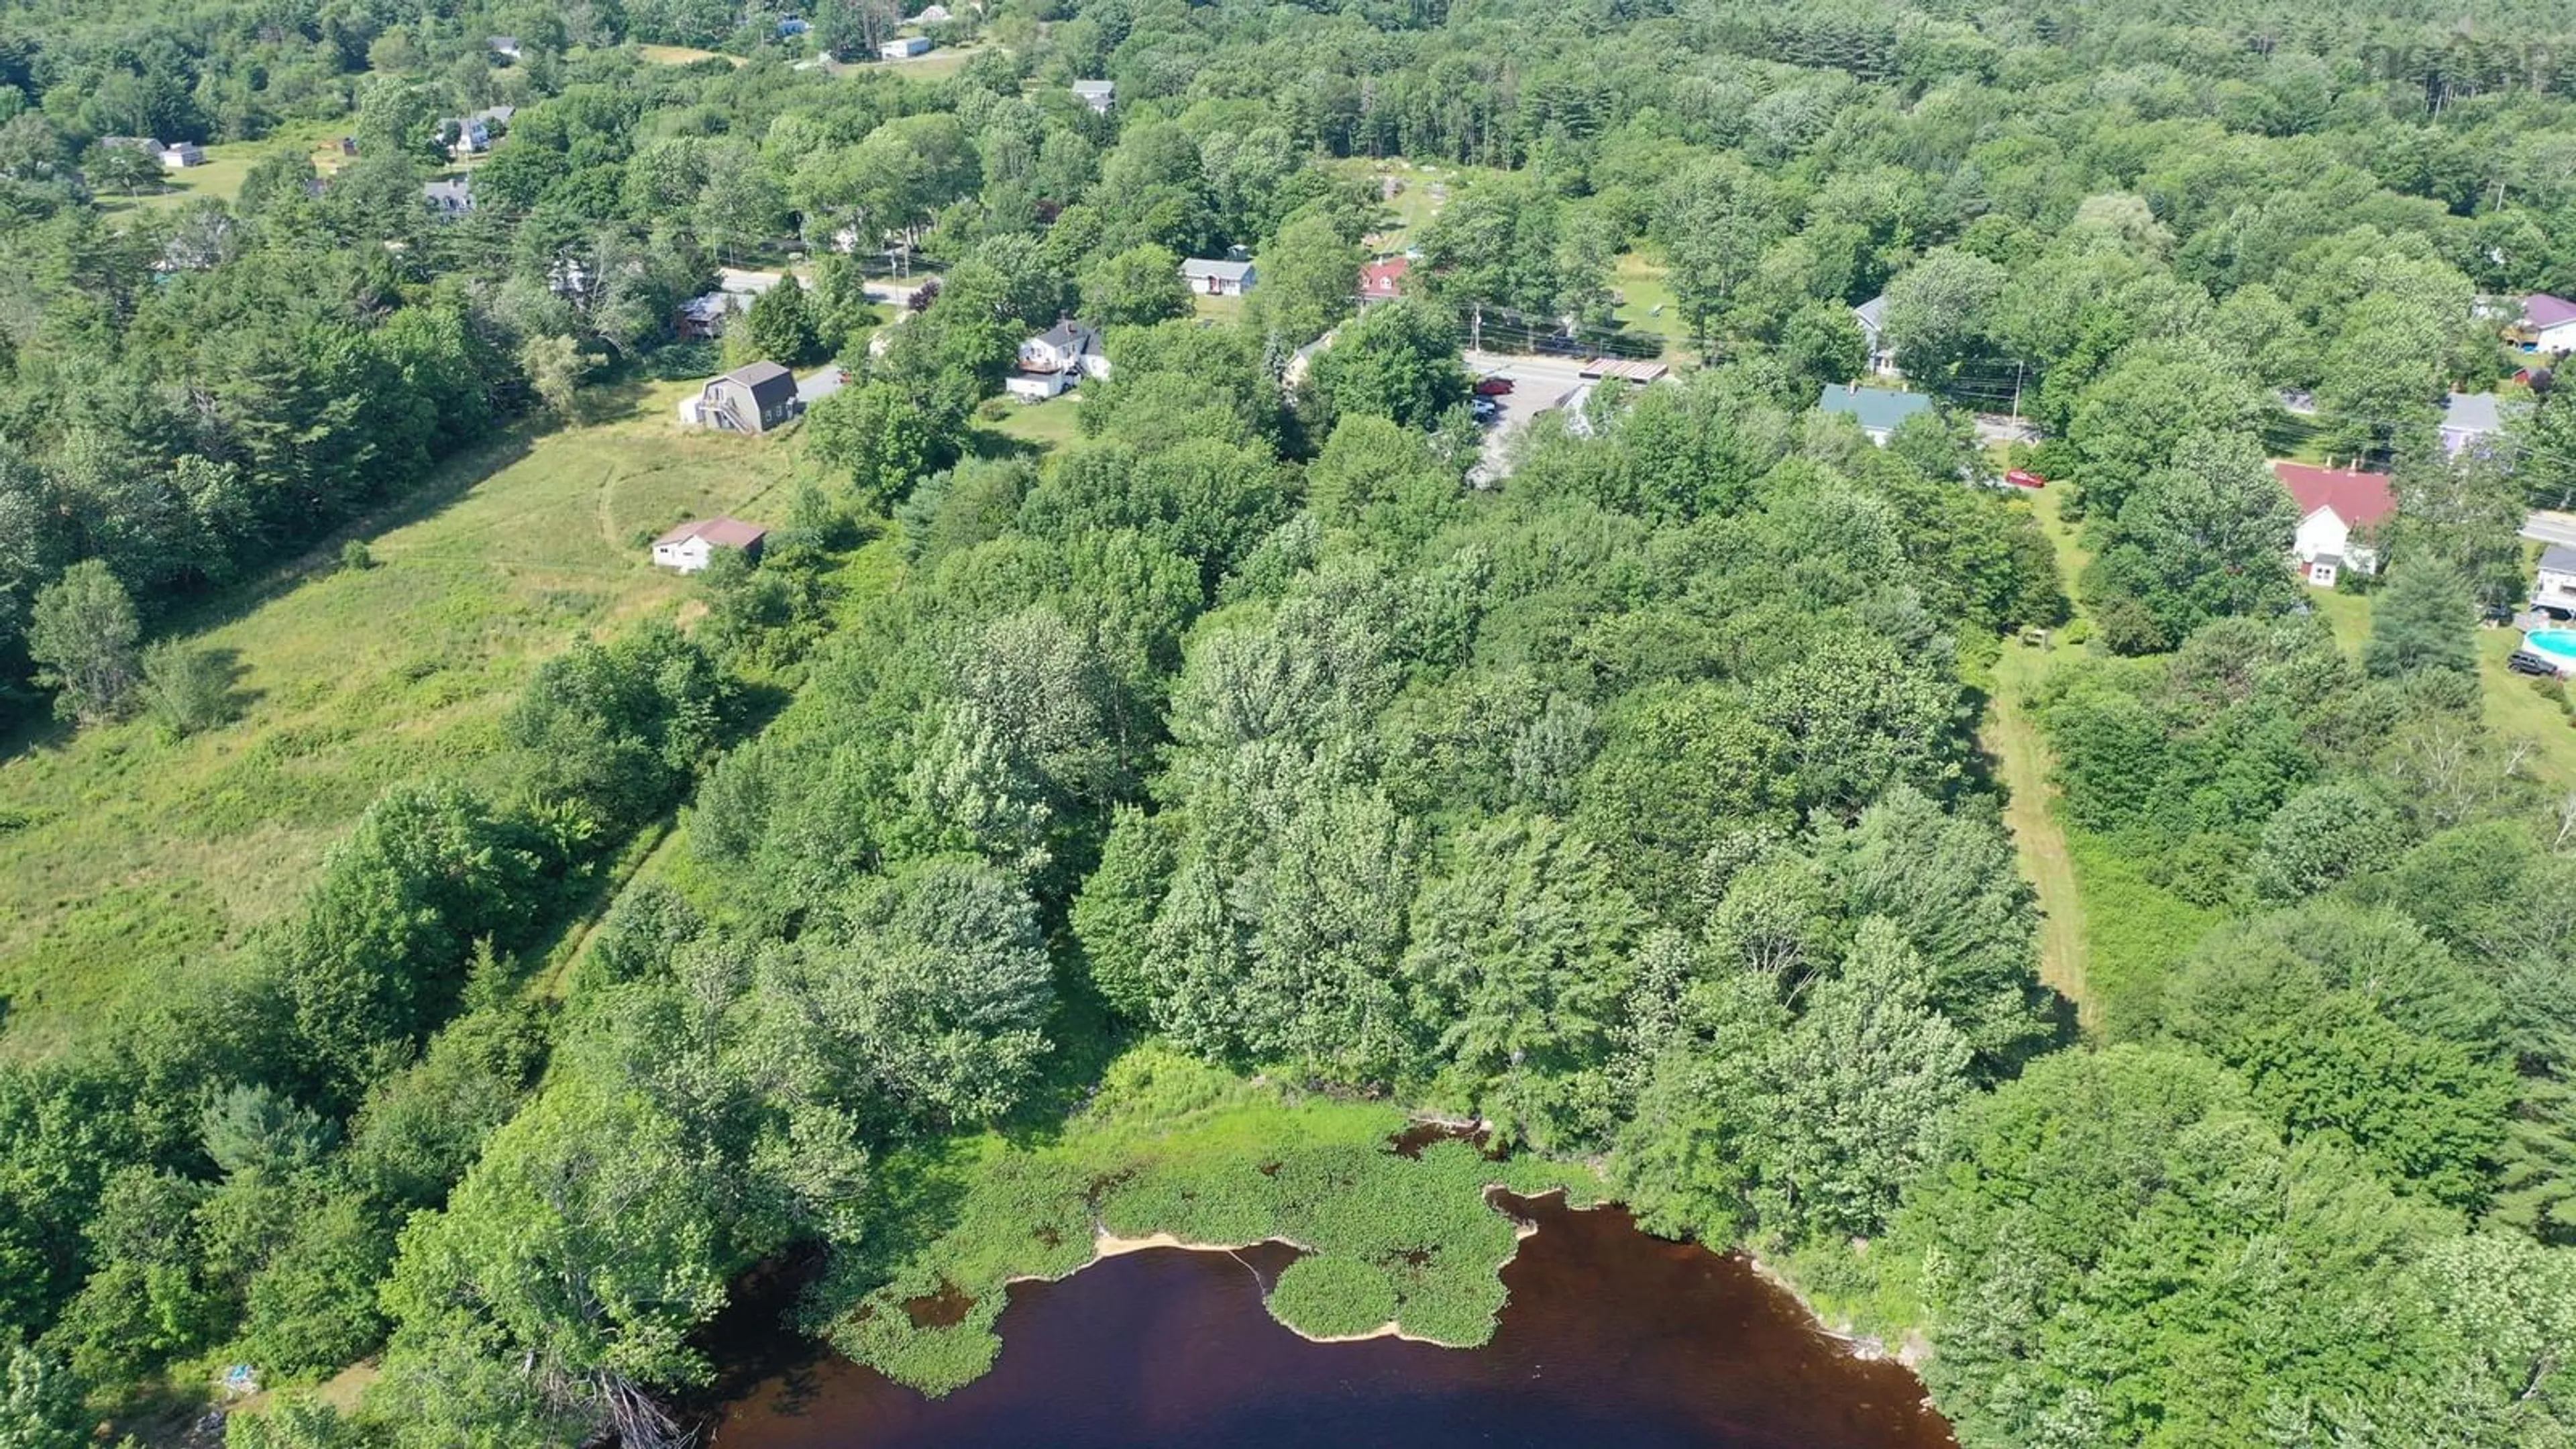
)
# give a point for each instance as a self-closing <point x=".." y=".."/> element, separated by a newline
<point x="1056" y="359"/>
<point x="2339" y="511"/>
<point x="504" y="46"/>
<point x="2548" y="324"/>
<point x="1217" y="279"/>
<point x="2468" y="417"/>
<point x="180" y="155"/>
<point x="1100" y="95"/>
<point x="2553" y="590"/>
<point x="904" y="47"/>
<point x="1872" y="317"/>
<point x="692" y="546"/>
<point x="933" y="15"/>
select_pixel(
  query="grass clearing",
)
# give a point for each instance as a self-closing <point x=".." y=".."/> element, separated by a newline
<point x="1646" y="299"/>
<point x="127" y="859"/>
<point x="683" y="55"/>
<point x="1171" y="1146"/>
<point x="1045" y="426"/>
<point x="2023" y="764"/>
<point x="229" y="163"/>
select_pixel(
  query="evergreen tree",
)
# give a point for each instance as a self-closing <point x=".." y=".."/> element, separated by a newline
<point x="2423" y="620"/>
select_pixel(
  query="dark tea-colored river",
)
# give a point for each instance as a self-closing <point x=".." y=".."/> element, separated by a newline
<point x="1611" y="1337"/>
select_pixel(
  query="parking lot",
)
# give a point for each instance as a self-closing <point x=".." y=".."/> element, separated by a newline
<point x="1539" y="385"/>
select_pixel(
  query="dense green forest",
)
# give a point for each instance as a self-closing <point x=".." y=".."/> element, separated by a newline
<point x="1635" y="806"/>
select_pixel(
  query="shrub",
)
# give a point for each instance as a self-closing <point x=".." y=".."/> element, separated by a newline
<point x="187" y="691"/>
<point x="1333" y="1297"/>
<point x="356" y="557"/>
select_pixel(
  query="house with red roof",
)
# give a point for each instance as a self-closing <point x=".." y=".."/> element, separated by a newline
<point x="1383" y="280"/>
<point x="2548" y="324"/>
<point x="2340" y="512"/>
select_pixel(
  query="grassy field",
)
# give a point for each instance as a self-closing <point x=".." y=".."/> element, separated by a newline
<point x="1646" y="299"/>
<point x="1174" y="1147"/>
<point x="229" y="164"/>
<point x="128" y="859"/>
<point x="682" y="55"/>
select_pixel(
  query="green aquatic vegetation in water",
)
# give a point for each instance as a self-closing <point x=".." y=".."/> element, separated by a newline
<point x="1173" y="1146"/>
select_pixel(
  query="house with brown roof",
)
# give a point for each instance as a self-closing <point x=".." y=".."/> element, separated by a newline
<point x="2340" y="513"/>
<point x="691" y="546"/>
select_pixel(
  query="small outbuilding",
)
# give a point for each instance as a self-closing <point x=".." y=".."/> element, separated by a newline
<point x="1100" y="95"/>
<point x="692" y="546"/>
<point x="180" y="155"/>
<point x="904" y="47"/>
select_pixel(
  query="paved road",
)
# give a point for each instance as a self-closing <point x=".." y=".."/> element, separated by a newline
<point x="819" y="384"/>
<point x="2548" y="527"/>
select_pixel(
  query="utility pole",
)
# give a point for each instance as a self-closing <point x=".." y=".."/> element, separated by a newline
<point x="2016" y="413"/>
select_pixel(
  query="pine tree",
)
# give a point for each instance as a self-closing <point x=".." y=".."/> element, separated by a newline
<point x="2422" y="622"/>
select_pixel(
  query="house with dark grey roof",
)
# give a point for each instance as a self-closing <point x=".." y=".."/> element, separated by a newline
<point x="1872" y="317"/>
<point x="2553" y="590"/>
<point x="755" y="398"/>
<point x="1878" y="410"/>
<point x="1056" y="359"/>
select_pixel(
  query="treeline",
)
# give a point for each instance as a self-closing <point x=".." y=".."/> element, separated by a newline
<point x="226" y="1175"/>
<point x="2317" y="1188"/>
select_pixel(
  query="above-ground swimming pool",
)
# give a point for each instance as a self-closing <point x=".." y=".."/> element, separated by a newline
<point x="2556" y="645"/>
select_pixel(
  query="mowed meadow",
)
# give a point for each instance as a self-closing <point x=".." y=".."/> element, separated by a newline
<point x="130" y="861"/>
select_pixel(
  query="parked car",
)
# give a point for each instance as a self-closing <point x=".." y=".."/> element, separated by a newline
<point x="1485" y="409"/>
<point x="2523" y="661"/>
<point x="1493" y="387"/>
<point x="2024" y="478"/>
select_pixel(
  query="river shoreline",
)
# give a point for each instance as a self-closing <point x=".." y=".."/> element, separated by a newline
<point x="1107" y="1245"/>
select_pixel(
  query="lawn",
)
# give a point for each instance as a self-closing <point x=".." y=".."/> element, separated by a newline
<point x="1048" y="425"/>
<point x="1216" y="309"/>
<point x="2513" y="707"/>
<point x="127" y="859"/>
